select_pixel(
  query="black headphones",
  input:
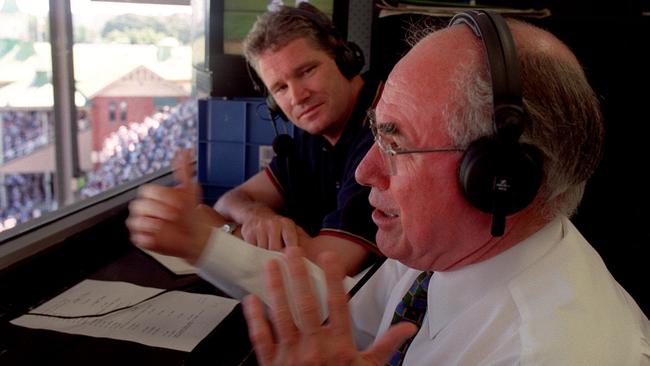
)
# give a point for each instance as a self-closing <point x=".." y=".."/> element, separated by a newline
<point x="347" y="55"/>
<point x="499" y="174"/>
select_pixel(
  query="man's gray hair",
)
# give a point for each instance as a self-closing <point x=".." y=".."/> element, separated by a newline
<point x="563" y="120"/>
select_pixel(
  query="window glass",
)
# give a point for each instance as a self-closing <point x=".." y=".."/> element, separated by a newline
<point x="123" y="105"/>
<point x="26" y="100"/>
<point x="132" y="69"/>
<point x="111" y="111"/>
<point x="239" y="17"/>
<point x="132" y="63"/>
<point x="133" y="72"/>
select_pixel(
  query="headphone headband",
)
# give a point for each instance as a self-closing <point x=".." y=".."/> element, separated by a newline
<point x="505" y="72"/>
<point x="499" y="174"/>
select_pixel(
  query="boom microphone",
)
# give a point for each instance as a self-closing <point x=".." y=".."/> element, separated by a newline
<point x="282" y="145"/>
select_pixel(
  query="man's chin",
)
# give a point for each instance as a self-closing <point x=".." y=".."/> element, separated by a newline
<point x="314" y="128"/>
<point x="389" y="246"/>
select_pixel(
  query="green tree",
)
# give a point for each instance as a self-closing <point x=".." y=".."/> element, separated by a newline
<point x="146" y="29"/>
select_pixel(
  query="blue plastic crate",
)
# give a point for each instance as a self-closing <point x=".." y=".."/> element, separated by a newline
<point x="221" y="163"/>
<point x="235" y="136"/>
<point x="243" y="120"/>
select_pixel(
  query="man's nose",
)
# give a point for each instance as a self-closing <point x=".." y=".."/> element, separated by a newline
<point x="298" y="92"/>
<point x="372" y="171"/>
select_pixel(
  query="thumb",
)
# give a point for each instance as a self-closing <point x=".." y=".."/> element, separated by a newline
<point x="184" y="172"/>
<point x="384" y="347"/>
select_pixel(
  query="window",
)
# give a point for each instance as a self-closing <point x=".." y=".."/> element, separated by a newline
<point x="111" y="111"/>
<point x="127" y="58"/>
<point x="123" y="106"/>
<point x="26" y="105"/>
<point x="132" y="63"/>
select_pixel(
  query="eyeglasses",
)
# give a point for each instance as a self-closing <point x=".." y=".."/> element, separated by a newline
<point x="390" y="149"/>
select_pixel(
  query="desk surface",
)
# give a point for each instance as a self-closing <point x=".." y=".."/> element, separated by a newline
<point x="227" y="344"/>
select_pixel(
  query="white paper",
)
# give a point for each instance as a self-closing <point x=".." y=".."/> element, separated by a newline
<point x="176" y="320"/>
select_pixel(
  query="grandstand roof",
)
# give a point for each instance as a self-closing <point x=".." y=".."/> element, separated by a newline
<point x="25" y="94"/>
<point x="96" y="66"/>
<point x="14" y="67"/>
<point x="140" y="81"/>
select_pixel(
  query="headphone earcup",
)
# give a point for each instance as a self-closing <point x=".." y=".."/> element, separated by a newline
<point x="500" y="178"/>
<point x="350" y="60"/>
<point x="274" y="108"/>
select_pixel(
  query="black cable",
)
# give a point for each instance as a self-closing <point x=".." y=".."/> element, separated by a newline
<point x="357" y="286"/>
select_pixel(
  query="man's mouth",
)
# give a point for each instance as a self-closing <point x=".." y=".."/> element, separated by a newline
<point x="388" y="214"/>
<point x="308" y="110"/>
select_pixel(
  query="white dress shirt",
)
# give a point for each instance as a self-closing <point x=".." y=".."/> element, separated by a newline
<point x="548" y="300"/>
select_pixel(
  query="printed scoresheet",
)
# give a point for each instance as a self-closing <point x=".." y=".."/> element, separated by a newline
<point x="176" y="320"/>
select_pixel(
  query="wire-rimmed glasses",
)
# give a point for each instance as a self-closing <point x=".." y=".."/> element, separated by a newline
<point x="390" y="149"/>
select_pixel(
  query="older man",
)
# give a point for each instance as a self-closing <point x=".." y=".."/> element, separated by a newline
<point x="455" y="155"/>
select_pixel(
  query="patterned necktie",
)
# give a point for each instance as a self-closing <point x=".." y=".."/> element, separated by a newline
<point x="412" y="308"/>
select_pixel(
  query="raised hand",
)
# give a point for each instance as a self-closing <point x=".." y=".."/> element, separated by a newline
<point x="281" y="342"/>
<point x="170" y="220"/>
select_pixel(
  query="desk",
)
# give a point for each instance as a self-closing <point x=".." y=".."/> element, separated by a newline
<point x="227" y="344"/>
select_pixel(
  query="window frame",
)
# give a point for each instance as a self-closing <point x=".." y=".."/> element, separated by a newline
<point x="24" y="240"/>
<point x="27" y="239"/>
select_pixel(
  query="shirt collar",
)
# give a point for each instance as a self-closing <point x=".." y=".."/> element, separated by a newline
<point x="450" y="293"/>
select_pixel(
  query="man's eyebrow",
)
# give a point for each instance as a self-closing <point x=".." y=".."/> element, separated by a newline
<point x="388" y="128"/>
<point x="307" y="64"/>
<point x="385" y="128"/>
<point x="275" y="85"/>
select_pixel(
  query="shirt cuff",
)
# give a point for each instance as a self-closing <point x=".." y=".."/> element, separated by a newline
<point x="236" y="267"/>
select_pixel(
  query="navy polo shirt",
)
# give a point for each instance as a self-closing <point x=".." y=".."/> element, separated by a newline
<point x="317" y="180"/>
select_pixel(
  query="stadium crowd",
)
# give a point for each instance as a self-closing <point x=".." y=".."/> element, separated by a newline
<point x="144" y="147"/>
<point x="24" y="131"/>
<point x="134" y="150"/>
<point x="24" y="197"/>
